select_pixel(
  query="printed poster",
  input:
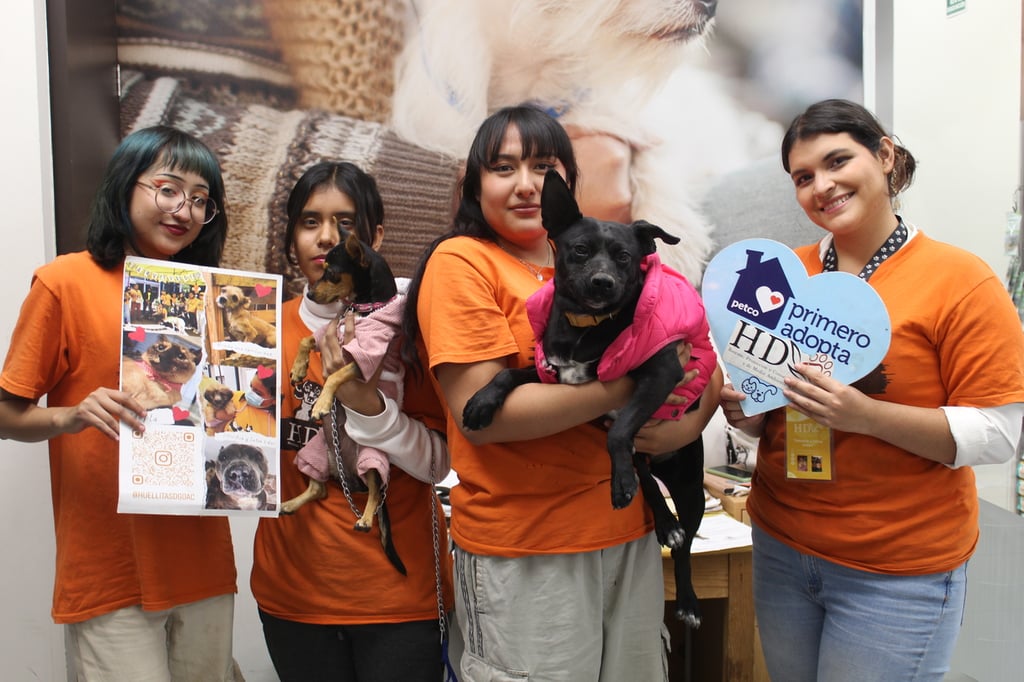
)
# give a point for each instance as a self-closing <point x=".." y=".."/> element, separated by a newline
<point x="767" y="315"/>
<point x="199" y="351"/>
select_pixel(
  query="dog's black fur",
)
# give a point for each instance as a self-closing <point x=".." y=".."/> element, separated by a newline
<point x="236" y="479"/>
<point x="353" y="272"/>
<point x="597" y="273"/>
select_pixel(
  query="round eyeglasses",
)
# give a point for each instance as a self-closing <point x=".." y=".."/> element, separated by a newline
<point x="169" y="198"/>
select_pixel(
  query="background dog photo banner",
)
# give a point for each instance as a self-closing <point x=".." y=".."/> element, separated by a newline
<point x="199" y="352"/>
<point x="767" y="315"/>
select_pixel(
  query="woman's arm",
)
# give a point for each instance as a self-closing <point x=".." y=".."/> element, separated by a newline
<point x="373" y="420"/>
<point x="923" y="431"/>
<point x="985" y="435"/>
<point x="24" y="420"/>
<point x="409" y="443"/>
<point x="661" y="436"/>
<point x="531" y="410"/>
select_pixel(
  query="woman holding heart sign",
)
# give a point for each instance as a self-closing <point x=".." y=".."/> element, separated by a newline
<point x="861" y="574"/>
<point x="144" y="597"/>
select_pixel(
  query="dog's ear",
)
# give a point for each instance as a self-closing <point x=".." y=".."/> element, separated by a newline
<point x="558" y="207"/>
<point x="646" y="233"/>
<point x="354" y="248"/>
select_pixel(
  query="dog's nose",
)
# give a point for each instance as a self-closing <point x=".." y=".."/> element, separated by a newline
<point x="709" y="6"/>
<point x="602" y="281"/>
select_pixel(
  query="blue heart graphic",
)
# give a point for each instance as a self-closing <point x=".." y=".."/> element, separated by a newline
<point x="767" y="315"/>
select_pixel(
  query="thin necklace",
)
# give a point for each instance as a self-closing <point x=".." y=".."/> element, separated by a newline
<point x="529" y="266"/>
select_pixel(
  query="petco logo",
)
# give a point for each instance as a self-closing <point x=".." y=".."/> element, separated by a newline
<point x="761" y="291"/>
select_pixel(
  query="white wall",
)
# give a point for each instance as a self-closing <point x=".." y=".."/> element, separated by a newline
<point x="954" y="102"/>
<point x="31" y="646"/>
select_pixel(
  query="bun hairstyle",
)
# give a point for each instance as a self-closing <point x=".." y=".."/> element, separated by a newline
<point x="832" y="116"/>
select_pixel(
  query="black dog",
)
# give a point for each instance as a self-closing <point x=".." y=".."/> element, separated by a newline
<point x="237" y="478"/>
<point x="598" y="282"/>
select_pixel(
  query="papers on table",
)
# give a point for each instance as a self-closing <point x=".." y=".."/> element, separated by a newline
<point x="719" y="531"/>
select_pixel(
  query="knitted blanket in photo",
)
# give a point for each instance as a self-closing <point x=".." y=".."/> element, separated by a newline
<point x="263" y="150"/>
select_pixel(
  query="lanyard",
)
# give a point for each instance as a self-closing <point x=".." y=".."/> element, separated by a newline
<point x="896" y="240"/>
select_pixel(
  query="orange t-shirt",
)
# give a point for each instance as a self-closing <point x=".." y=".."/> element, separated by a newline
<point x="65" y="345"/>
<point x="544" y="496"/>
<point x="313" y="566"/>
<point x="957" y="341"/>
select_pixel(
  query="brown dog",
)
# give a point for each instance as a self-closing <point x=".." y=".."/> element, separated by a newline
<point x="242" y="324"/>
<point x="219" y="406"/>
<point x="155" y="378"/>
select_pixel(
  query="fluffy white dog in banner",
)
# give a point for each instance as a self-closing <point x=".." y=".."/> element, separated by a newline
<point x="649" y="131"/>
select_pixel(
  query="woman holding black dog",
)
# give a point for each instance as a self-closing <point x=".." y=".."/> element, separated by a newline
<point x="333" y="607"/>
<point x="863" y="577"/>
<point x="144" y="597"/>
<point x="552" y="582"/>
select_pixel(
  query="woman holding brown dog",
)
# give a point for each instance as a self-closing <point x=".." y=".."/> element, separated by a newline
<point x="332" y="606"/>
<point x="863" y="577"/>
<point x="552" y="582"/>
<point x="144" y="597"/>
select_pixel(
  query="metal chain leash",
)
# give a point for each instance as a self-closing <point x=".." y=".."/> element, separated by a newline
<point x="441" y="616"/>
<point x="342" y="478"/>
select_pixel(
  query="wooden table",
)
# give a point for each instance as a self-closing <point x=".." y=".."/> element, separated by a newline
<point x="724" y="575"/>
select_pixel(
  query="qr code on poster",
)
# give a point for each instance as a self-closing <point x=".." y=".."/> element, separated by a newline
<point x="165" y="459"/>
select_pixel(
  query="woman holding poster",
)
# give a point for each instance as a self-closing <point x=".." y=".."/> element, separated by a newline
<point x="144" y="597"/>
<point x="861" y="574"/>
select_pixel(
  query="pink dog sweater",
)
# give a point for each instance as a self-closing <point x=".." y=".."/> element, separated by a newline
<point x="669" y="310"/>
<point x="372" y="345"/>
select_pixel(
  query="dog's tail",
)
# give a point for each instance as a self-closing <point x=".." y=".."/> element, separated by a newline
<point x="385" y="540"/>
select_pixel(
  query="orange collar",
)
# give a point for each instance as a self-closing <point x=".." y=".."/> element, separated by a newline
<point x="589" y="320"/>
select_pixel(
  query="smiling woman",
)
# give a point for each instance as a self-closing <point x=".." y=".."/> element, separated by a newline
<point x="532" y="515"/>
<point x="948" y="393"/>
<point x="141" y="623"/>
<point x="164" y="221"/>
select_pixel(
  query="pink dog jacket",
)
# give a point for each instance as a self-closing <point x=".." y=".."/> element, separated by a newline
<point x="669" y="310"/>
<point x="371" y="346"/>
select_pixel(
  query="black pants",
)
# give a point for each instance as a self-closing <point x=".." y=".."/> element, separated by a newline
<point x="385" y="652"/>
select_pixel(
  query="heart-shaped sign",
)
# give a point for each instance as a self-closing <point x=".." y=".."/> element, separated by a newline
<point x="179" y="414"/>
<point x="137" y="334"/>
<point x="264" y="372"/>
<point x="262" y="290"/>
<point x="767" y="315"/>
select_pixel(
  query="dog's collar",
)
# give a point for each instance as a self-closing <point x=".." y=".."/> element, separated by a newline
<point x="589" y="320"/>
<point x="365" y="308"/>
<point x="152" y="375"/>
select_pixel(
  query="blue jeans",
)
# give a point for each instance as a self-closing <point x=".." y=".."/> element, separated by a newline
<point x="820" y="621"/>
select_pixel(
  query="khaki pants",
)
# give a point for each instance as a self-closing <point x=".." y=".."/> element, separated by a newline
<point x="187" y="643"/>
<point x="567" y="617"/>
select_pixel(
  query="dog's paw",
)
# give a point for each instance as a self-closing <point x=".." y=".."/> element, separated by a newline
<point x="691" y="619"/>
<point x="673" y="537"/>
<point x="321" y="407"/>
<point x="479" y="412"/>
<point x="298" y="374"/>
<point x="624" y="488"/>
<point x="687" y="607"/>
